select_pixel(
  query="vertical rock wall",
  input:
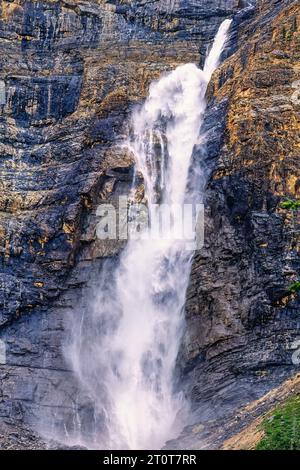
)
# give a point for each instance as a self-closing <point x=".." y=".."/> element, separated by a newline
<point x="242" y="319"/>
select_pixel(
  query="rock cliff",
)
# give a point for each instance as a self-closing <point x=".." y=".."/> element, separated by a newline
<point x="70" y="73"/>
<point x="242" y="319"/>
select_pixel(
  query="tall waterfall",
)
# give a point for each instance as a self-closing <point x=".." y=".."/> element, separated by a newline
<point x="124" y="349"/>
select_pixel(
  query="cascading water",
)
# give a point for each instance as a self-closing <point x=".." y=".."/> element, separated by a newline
<point x="124" y="350"/>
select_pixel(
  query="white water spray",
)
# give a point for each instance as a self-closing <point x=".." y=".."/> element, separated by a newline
<point x="125" y="350"/>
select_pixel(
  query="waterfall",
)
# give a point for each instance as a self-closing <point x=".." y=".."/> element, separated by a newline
<point x="124" y="349"/>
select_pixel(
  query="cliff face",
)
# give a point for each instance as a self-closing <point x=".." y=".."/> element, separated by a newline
<point x="70" y="73"/>
<point x="242" y="320"/>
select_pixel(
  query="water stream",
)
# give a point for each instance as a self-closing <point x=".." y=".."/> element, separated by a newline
<point x="124" y="352"/>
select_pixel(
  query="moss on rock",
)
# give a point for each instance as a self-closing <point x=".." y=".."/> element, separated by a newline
<point x="282" y="427"/>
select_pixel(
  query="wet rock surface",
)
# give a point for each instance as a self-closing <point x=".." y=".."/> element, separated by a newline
<point x="242" y="320"/>
<point x="70" y="73"/>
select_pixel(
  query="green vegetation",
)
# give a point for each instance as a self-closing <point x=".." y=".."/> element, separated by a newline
<point x="282" y="427"/>
<point x="290" y="204"/>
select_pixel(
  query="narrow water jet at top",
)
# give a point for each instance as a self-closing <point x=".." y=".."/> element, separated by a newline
<point x="124" y="352"/>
